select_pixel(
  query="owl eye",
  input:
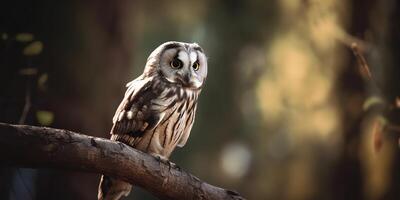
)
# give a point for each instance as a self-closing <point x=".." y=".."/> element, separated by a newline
<point x="196" y="66"/>
<point x="176" y="63"/>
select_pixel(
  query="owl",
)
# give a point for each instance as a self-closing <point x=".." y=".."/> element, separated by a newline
<point x="159" y="107"/>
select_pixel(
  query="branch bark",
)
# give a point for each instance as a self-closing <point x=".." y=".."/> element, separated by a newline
<point x="31" y="146"/>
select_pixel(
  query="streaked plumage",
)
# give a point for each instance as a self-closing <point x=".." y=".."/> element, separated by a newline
<point x="158" y="109"/>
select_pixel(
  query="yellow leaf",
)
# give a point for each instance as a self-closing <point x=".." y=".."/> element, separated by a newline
<point x="44" y="117"/>
<point x="372" y="101"/>
<point x="24" y="37"/>
<point x="34" y="48"/>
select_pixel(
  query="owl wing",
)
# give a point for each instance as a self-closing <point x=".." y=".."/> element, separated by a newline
<point x="185" y="136"/>
<point x="188" y="125"/>
<point x="133" y="115"/>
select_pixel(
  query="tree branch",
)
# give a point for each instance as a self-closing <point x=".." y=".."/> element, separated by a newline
<point x="31" y="146"/>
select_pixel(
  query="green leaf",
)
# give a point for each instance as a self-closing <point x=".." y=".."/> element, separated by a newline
<point x="372" y="101"/>
<point x="34" y="48"/>
<point x="42" y="81"/>
<point x="24" y="37"/>
<point x="45" y="118"/>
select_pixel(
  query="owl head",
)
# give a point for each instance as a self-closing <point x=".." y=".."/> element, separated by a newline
<point x="183" y="64"/>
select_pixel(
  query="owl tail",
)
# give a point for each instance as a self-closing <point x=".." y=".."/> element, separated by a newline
<point x="113" y="189"/>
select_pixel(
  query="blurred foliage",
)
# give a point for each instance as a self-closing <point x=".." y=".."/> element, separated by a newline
<point x="34" y="48"/>
<point x="372" y="101"/>
<point x="42" y="80"/>
<point x="29" y="71"/>
<point x="24" y="37"/>
<point x="45" y="118"/>
<point x="285" y="113"/>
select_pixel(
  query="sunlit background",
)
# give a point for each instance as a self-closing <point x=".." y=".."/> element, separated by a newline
<point x="284" y="113"/>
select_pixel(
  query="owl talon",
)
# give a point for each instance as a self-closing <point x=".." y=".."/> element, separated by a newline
<point x="177" y="167"/>
<point x="161" y="159"/>
<point x="171" y="164"/>
<point x="164" y="160"/>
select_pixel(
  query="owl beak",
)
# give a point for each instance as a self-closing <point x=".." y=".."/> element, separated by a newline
<point x="184" y="79"/>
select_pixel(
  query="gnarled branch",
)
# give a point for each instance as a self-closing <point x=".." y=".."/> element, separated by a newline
<point x="31" y="146"/>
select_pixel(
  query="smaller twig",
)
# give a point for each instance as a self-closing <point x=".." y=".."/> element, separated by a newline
<point x="363" y="66"/>
<point x="367" y="75"/>
<point x="361" y="61"/>
<point x="365" y="69"/>
<point x="27" y="105"/>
